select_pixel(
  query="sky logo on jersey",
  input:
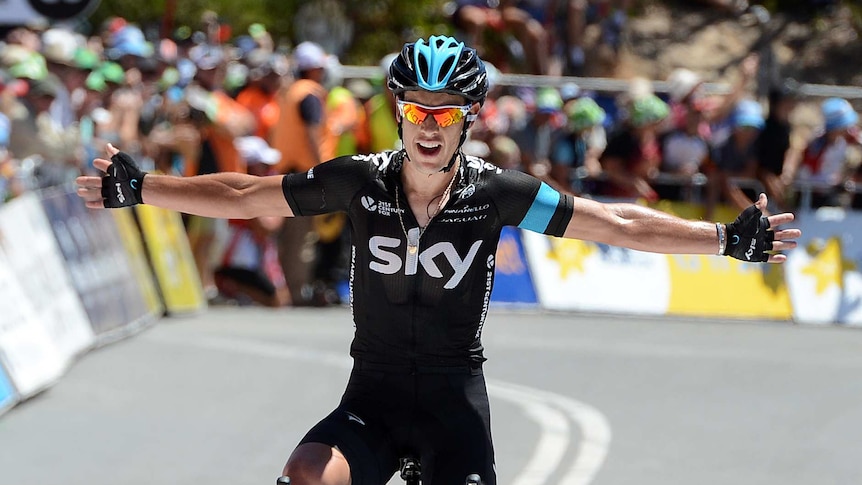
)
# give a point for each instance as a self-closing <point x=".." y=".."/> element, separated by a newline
<point x="481" y="165"/>
<point x="381" y="159"/>
<point x="390" y="262"/>
<point x="353" y="417"/>
<point x="468" y="191"/>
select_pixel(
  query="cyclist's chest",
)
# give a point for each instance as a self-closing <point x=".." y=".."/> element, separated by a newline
<point x="388" y="240"/>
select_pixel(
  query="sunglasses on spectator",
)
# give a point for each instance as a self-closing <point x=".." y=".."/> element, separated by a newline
<point x="444" y="115"/>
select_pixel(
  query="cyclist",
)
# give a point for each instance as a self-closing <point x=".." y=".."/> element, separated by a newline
<point x="425" y="223"/>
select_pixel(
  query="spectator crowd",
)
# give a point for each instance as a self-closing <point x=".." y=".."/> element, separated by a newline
<point x="197" y="102"/>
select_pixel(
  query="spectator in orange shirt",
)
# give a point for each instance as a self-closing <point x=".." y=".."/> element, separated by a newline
<point x="298" y="135"/>
<point x="266" y="72"/>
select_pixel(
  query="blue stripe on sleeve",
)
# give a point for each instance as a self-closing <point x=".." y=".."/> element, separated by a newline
<point x="542" y="209"/>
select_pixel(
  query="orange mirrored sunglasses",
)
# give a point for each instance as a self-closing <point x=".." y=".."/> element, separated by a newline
<point x="443" y="115"/>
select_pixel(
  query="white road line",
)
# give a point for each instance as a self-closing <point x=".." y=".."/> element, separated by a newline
<point x="595" y="434"/>
<point x="553" y="440"/>
<point x="539" y="406"/>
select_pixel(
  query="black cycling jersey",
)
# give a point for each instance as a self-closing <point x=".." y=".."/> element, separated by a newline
<point x="425" y="308"/>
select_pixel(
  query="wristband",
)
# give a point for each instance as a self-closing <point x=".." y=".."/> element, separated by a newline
<point x="722" y="237"/>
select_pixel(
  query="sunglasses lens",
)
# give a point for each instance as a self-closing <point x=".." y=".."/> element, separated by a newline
<point x="413" y="113"/>
<point x="448" y="117"/>
<point x="444" y="116"/>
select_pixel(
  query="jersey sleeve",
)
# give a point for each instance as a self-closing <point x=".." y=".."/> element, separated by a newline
<point x="328" y="187"/>
<point x="531" y="204"/>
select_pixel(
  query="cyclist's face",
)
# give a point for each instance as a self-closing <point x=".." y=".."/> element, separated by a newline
<point x="427" y="143"/>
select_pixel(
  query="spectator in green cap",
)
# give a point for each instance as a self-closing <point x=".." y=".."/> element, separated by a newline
<point x="23" y="63"/>
<point x="633" y="155"/>
<point x="534" y="137"/>
<point x="576" y="149"/>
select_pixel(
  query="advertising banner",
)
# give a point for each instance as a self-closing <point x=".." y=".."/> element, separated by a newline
<point x="171" y="257"/>
<point x="28" y="352"/>
<point x="37" y="263"/>
<point x="578" y="275"/>
<point x="823" y="272"/>
<point x="99" y="267"/>
<point x="7" y="392"/>
<point x="137" y="258"/>
<point x="513" y="284"/>
<point x="585" y="276"/>
<point x="718" y="286"/>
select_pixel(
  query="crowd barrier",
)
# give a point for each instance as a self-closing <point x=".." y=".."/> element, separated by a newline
<point x="72" y="279"/>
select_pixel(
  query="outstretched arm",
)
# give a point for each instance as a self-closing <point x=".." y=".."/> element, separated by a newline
<point x="221" y="195"/>
<point x="644" y="229"/>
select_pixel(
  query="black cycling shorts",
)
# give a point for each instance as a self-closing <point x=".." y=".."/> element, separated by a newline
<point x="441" y="417"/>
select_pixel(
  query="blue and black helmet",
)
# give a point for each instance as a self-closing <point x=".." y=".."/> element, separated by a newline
<point x="442" y="64"/>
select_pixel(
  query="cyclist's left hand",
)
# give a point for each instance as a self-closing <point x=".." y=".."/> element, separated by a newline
<point x="754" y="237"/>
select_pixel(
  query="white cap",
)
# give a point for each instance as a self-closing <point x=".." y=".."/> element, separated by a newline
<point x="254" y="149"/>
<point x="309" y="55"/>
<point x="681" y="83"/>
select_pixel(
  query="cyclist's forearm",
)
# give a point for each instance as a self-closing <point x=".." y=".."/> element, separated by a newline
<point x="641" y="228"/>
<point x="221" y="195"/>
<point x="654" y="231"/>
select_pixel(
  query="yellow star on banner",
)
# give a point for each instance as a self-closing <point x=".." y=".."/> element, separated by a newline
<point x="827" y="265"/>
<point x="570" y="254"/>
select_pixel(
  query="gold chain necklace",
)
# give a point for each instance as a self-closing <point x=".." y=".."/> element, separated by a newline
<point x="413" y="246"/>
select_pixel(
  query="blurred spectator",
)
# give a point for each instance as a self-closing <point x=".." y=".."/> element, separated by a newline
<point x="735" y="158"/>
<point x="774" y="143"/>
<point x="684" y="150"/>
<point x="59" y="47"/>
<point x="342" y="135"/>
<point x="823" y="163"/>
<point x="633" y="155"/>
<point x="534" y="137"/>
<point x="574" y="31"/>
<point x="266" y="71"/>
<point x="250" y="271"/>
<point x="517" y="18"/>
<point x="381" y="127"/>
<point x="299" y="136"/>
<point x="856" y="186"/>
<point x="686" y="92"/>
<point x="504" y="153"/>
<point x="609" y="15"/>
<point x="576" y="150"/>
<point x="733" y="7"/>
<point x="220" y="121"/>
<point x="491" y="121"/>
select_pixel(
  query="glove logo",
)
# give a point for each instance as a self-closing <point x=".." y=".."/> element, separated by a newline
<point x="750" y="251"/>
<point x="734" y="240"/>
<point x="120" y="196"/>
<point x="134" y="184"/>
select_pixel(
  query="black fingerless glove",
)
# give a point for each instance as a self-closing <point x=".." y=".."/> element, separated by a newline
<point x="748" y="237"/>
<point x="121" y="186"/>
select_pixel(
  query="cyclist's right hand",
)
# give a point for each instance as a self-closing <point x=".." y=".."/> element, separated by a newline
<point x="120" y="186"/>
